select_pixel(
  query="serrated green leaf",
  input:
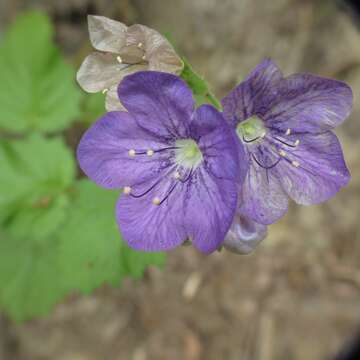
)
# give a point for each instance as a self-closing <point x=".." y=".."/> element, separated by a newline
<point x="37" y="88"/>
<point x="30" y="277"/>
<point x="199" y="86"/>
<point x="84" y="253"/>
<point x="91" y="251"/>
<point x="35" y="175"/>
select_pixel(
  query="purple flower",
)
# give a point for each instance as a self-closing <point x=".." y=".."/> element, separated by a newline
<point x="244" y="235"/>
<point x="285" y="124"/>
<point x="178" y="166"/>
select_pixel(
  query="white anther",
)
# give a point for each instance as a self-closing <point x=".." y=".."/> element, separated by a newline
<point x="119" y="59"/>
<point x="150" y="152"/>
<point x="263" y="134"/>
<point x="282" y="153"/>
<point x="140" y="44"/>
<point x="127" y="190"/>
<point x="297" y="142"/>
<point x="132" y="152"/>
<point x="105" y="91"/>
<point x="288" y="132"/>
<point x="156" y="201"/>
<point x="295" y="163"/>
<point x="177" y="175"/>
<point x="143" y="57"/>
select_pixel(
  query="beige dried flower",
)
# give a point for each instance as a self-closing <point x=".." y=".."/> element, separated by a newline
<point x="122" y="51"/>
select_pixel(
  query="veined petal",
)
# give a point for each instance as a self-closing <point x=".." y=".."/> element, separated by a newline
<point x="262" y="198"/>
<point x="244" y="235"/>
<point x="103" y="152"/>
<point x="162" y="103"/>
<point x="309" y="103"/>
<point x="106" y="34"/>
<point x="200" y="207"/>
<point x="320" y="169"/>
<point x="255" y="95"/>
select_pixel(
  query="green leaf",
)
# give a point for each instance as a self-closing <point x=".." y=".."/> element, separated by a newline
<point x="84" y="253"/>
<point x="91" y="251"/>
<point x="37" y="88"/>
<point x="199" y="86"/>
<point x="30" y="277"/>
<point x="35" y="176"/>
<point x="93" y="107"/>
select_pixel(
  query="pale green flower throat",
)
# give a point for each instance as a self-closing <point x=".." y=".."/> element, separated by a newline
<point x="251" y="129"/>
<point x="188" y="153"/>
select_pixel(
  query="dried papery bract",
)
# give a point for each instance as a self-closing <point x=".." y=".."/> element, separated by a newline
<point x="121" y="51"/>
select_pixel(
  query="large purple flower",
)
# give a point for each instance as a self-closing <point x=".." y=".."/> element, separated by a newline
<point x="178" y="166"/>
<point x="285" y="124"/>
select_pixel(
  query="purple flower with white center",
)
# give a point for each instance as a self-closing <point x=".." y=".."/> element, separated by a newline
<point x="244" y="235"/>
<point x="286" y="126"/>
<point x="178" y="166"/>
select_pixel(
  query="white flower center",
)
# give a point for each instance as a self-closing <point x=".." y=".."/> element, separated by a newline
<point x="188" y="153"/>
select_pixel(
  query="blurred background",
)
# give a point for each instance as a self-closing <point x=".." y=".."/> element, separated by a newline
<point x="297" y="296"/>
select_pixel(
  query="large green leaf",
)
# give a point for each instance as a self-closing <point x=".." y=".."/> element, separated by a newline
<point x="37" y="88"/>
<point x="35" y="178"/>
<point x="91" y="249"/>
<point x="85" y="252"/>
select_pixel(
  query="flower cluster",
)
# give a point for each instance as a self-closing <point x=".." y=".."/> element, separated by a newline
<point x="214" y="178"/>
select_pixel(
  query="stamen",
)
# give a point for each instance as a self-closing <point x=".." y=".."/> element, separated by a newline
<point x="140" y="44"/>
<point x="252" y="140"/>
<point x="295" y="163"/>
<point x="132" y="152"/>
<point x="143" y="57"/>
<point x="119" y="59"/>
<point x="105" y="91"/>
<point x="263" y="166"/>
<point x="297" y="142"/>
<point x="282" y="153"/>
<point x="288" y="132"/>
<point x="127" y="190"/>
<point x="284" y="142"/>
<point x="150" y="152"/>
<point x="156" y="201"/>
<point x="177" y="175"/>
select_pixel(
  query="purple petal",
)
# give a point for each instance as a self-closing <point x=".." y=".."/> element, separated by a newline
<point x="200" y="209"/>
<point x="309" y="103"/>
<point x="321" y="172"/>
<point x="162" y="103"/>
<point x="254" y="95"/>
<point x="262" y="198"/>
<point x="103" y="152"/>
<point x="244" y="235"/>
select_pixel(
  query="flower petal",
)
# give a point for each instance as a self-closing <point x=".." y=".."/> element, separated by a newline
<point x="244" y="235"/>
<point x="106" y="34"/>
<point x="262" y="198"/>
<point x="103" y="152"/>
<point x="112" y="102"/>
<point x="158" y="51"/>
<point x="162" y="103"/>
<point x="321" y="170"/>
<point x="309" y="103"/>
<point x="254" y="95"/>
<point x="98" y="72"/>
<point x="201" y="208"/>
